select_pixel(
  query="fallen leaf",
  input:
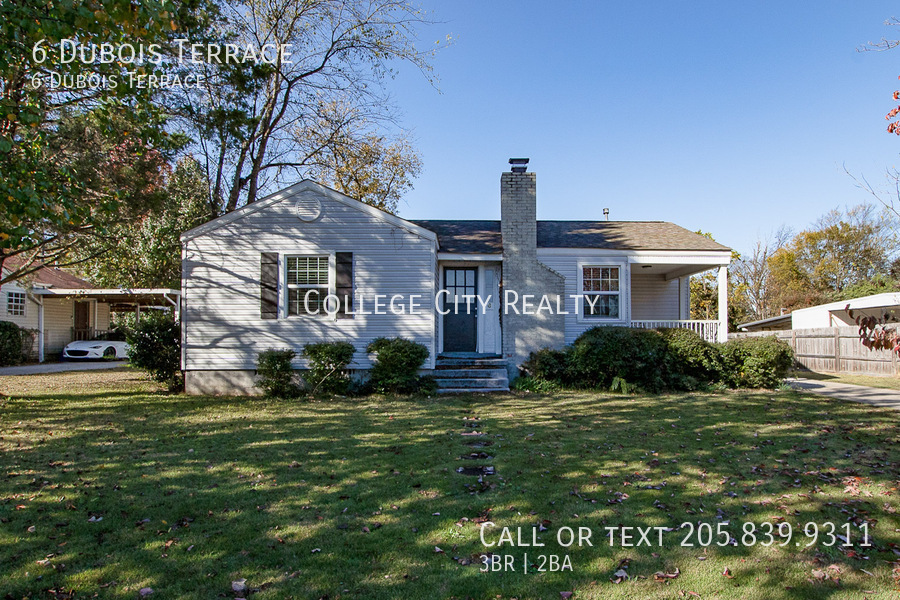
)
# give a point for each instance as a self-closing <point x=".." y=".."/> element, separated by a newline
<point x="663" y="576"/>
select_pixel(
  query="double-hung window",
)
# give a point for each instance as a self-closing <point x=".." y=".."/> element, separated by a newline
<point x="600" y="291"/>
<point x="15" y="304"/>
<point x="307" y="284"/>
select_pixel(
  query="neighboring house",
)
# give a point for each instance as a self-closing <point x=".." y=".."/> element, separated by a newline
<point x="256" y="278"/>
<point x="834" y="314"/>
<point x="779" y="323"/>
<point x="59" y="307"/>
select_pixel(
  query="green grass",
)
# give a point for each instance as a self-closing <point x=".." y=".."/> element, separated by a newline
<point x="348" y="498"/>
<point x="891" y="383"/>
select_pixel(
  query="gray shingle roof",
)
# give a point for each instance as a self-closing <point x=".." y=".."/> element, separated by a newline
<point x="483" y="237"/>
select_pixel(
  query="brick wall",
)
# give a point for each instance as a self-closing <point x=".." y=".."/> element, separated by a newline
<point x="523" y="274"/>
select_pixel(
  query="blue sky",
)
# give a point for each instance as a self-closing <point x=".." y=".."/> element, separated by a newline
<point x="733" y="118"/>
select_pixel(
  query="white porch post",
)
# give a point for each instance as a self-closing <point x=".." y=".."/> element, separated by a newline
<point x="723" y="304"/>
<point x="40" y="303"/>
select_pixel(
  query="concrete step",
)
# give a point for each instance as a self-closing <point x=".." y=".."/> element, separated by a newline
<point x="470" y="363"/>
<point x="471" y="373"/>
<point x="472" y="382"/>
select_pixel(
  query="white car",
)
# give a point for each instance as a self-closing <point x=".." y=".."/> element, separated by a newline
<point x="95" y="349"/>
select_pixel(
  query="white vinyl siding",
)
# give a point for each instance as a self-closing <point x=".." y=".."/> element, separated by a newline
<point x="653" y="298"/>
<point x="569" y="266"/>
<point x="29" y="319"/>
<point x="221" y="272"/>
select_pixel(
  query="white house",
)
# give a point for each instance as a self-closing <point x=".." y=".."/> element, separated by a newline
<point x="309" y="264"/>
<point x="835" y="314"/>
<point x="59" y="307"/>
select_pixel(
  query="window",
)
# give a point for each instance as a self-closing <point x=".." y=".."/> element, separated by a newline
<point x="307" y="284"/>
<point x="600" y="288"/>
<point x="15" y="304"/>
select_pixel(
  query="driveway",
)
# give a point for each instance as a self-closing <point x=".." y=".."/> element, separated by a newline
<point x="59" y="367"/>
<point x="846" y="391"/>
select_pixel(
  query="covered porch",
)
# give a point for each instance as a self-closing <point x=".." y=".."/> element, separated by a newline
<point x="661" y="298"/>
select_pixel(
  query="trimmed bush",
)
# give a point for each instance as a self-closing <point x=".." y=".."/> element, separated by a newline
<point x="276" y="374"/>
<point x="397" y="364"/>
<point x="693" y="356"/>
<point x="11" y="342"/>
<point x="757" y="362"/>
<point x="328" y="367"/>
<point x="154" y="344"/>
<point x="637" y="357"/>
<point x="548" y="365"/>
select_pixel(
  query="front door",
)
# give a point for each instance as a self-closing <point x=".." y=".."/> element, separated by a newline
<point x="82" y="320"/>
<point x="460" y="322"/>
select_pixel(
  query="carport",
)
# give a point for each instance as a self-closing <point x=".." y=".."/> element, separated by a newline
<point x="119" y="300"/>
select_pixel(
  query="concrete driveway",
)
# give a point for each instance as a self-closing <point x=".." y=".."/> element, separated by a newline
<point x="59" y="367"/>
<point x="846" y="391"/>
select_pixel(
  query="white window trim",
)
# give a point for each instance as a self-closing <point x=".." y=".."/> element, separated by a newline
<point x="24" y="303"/>
<point x="579" y="305"/>
<point x="286" y="287"/>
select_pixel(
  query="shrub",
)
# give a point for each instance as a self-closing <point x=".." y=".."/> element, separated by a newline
<point x="548" y="365"/>
<point x="397" y="363"/>
<point x="11" y="343"/>
<point x="536" y="385"/>
<point x="276" y="374"/>
<point x="328" y="366"/>
<point x="154" y="344"/>
<point x="633" y="357"/>
<point x="693" y="356"/>
<point x="757" y="362"/>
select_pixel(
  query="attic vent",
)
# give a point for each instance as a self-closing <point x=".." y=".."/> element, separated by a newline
<point x="308" y="208"/>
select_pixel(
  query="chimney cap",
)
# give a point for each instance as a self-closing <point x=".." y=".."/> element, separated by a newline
<point x="519" y="165"/>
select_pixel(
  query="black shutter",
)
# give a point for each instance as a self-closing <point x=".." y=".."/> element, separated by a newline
<point x="268" y="285"/>
<point x="343" y="287"/>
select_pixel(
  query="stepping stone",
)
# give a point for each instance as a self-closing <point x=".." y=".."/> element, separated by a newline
<point x="476" y="471"/>
<point x="478" y="443"/>
<point x="471" y="433"/>
<point x="476" y="456"/>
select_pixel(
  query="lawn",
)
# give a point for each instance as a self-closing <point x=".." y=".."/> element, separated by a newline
<point x="109" y="486"/>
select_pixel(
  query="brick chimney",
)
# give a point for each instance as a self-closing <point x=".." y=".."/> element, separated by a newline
<point x="523" y="273"/>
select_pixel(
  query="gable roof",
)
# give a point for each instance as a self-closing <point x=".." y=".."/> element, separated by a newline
<point x="483" y="237"/>
<point x="48" y="276"/>
<point x="303" y="186"/>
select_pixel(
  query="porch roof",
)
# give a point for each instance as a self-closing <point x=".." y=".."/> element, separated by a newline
<point x="483" y="237"/>
<point x="145" y="296"/>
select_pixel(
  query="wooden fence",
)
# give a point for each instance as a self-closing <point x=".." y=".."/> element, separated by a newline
<point x="833" y="349"/>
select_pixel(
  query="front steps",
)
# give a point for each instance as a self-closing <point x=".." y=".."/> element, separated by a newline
<point x="470" y="374"/>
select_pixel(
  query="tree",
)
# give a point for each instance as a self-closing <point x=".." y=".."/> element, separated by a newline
<point x="53" y="189"/>
<point x="146" y="252"/>
<point x="752" y="276"/>
<point x="705" y="295"/>
<point x="249" y="118"/>
<point x="842" y="251"/>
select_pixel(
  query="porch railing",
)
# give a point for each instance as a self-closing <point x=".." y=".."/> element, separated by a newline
<point x="708" y="330"/>
<point x="87" y="334"/>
